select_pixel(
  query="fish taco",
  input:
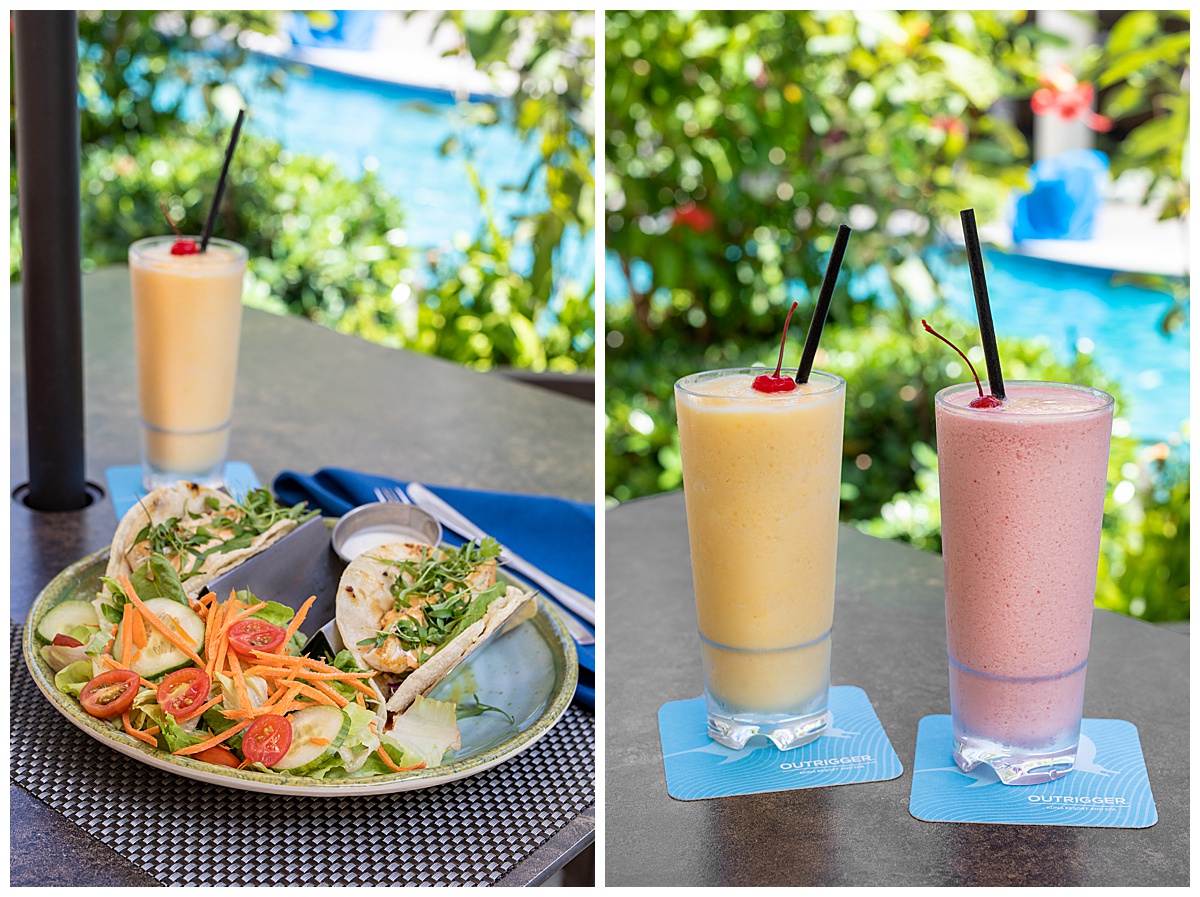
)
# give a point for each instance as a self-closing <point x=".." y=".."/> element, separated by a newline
<point x="411" y="612"/>
<point x="203" y="533"/>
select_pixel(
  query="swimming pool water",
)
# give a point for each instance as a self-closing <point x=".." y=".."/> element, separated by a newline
<point x="397" y="131"/>
<point x="1065" y="304"/>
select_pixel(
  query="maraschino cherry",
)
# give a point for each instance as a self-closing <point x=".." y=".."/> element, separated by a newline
<point x="182" y="246"/>
<point x="774" y="382"/>
<point x="982" y="401"/>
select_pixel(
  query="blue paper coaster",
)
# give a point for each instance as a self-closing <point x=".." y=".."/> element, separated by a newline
<point x="854" y="749"/>
<point x="125" y="483"/>
<point x="1108" y="788"/>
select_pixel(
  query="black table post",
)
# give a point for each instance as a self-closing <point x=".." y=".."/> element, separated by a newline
<point x="46" y="86"/>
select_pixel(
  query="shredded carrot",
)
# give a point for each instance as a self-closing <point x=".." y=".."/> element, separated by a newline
<point x="319" y="742"/>
<point x="222" y="650"/>
<point x="359" y="699"/>
<point x="112" y="638"/>
<point x="153" y="730"/>
<point x="239" y="682"/>
<point x="136" y="733"/>
<point x="337" y="699"/>
<point x="210" y="704"/>
<point x="214" y="741"/>
<point x="126" y="633"/>
<point x="268" y="672"/>
<point x="183" y="633"/>
<point x="241" y="615"/>
<point x="210" y="637"/>
<point x="391" y="764"/>
<point x="295" y="624"/>
<point x="309" y="692"/>
<point x="158" y="624"/>
<point x="210" y="640"/>
<point x="139" y="630"/>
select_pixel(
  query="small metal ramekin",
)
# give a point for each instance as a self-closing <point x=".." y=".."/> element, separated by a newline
<point x="407" y="523"/>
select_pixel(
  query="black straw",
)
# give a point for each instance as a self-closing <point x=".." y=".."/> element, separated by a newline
<point x="987" y="332"/>
<point x="818" y="321"/>
<point x="212" y="212"/>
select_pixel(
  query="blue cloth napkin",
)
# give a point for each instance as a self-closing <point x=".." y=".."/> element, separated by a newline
<point x="554" y="534"/>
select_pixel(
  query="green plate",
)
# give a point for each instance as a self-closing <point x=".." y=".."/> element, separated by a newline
<point x="530" y="673"/>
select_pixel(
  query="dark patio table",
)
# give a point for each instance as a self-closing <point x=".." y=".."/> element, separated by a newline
<point x="307" y="398"/>
<point x="889" y="639"/>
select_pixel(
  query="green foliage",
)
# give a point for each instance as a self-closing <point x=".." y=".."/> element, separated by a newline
<point x="326" y="246"/>
<point x="1142" y="66"/>
<point x="776" y="125"/>
<point x="318" y="242"/>
<point x="736" y="141"/>
<point x="124" y="55"/>
<point x="505" y="292"/>
<point x="1145" y="561"/>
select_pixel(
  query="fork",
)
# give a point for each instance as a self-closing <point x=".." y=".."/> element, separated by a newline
<point x="387" y="493"/>
<point x="579" y="632"/>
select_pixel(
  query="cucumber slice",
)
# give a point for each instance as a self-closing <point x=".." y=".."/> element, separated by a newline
<point x="160" y="656"/>
<point x="63" y="617"/>
<point x="326" y="723"/>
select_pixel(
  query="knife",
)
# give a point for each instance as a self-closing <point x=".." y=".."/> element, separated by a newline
<point x="570" y="598"/>
<point x="289" y="571"/>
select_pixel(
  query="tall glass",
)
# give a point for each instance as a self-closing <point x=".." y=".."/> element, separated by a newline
<point x="187" y="313"/>
<point x="1022" y="497"/>
<point x="761" y="481"/>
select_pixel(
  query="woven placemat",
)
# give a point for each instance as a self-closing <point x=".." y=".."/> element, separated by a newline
<point x="183" y="832"/>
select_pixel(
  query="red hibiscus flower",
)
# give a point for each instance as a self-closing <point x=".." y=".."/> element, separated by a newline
<point x="698" y="218"/>
<point x="1069" y="99"/>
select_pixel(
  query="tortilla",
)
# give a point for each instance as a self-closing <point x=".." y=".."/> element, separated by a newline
<point x="364" y="599"/>
<point x="179" y="500"/>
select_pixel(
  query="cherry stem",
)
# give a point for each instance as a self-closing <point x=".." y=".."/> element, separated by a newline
<point x="959" y="351"/>
<point x="163" y="205"/>
<point x="783" y="342"/>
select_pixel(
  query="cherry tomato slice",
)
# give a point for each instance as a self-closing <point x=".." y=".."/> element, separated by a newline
<point x="248" y="636"/>
<point x="110" y="694"/>
<point x="267" y="739"/>
<point x="220" y="755"/>
<point x="184" y="692"/>
<point x="65" y="641"/>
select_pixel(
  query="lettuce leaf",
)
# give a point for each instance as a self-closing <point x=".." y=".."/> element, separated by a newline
<point x="71" y="679"/>
<point x="425" y="731"/>
<point x="356" y="751"/>
<point x="60" y="657"/>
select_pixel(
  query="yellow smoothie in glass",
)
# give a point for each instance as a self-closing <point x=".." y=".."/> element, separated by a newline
<point x="761" y="479"/>
<point x="187" y="312"/>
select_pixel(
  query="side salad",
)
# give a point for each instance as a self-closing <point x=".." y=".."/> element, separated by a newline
<point x="225" y="682"/>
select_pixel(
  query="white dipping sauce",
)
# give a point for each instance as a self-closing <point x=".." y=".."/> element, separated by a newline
<point x="372" y="537"/>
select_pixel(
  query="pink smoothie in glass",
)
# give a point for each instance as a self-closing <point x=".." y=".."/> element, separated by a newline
<point x="1022" y="497"/>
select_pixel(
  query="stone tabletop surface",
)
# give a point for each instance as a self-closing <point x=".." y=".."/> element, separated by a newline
<point x="889" y="639"/>
<point x="306" y="398"/>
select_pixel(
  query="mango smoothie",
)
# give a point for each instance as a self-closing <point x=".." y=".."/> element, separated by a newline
<point x="187" y="312"/>
<point x="1022" y="497"/>
<point x="761" y="477"/>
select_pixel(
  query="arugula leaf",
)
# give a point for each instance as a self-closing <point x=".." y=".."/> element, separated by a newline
<point x="464" y="711"/>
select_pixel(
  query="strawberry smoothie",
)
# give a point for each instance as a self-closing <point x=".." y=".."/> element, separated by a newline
<point x="1022" y="497"/>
